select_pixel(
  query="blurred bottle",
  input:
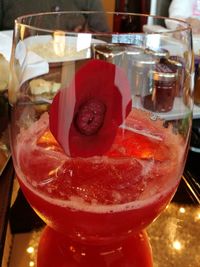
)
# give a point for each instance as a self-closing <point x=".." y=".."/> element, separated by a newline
<point x="197" y="85"/>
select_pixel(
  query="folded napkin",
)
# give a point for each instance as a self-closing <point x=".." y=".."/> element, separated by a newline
<point x="32" y="65"/>
<point x="6" y="44"/>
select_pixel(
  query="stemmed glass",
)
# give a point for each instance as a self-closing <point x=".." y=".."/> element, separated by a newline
<point x="100" y="126"/>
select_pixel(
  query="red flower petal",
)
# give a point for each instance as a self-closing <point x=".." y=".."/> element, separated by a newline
<point x="84" y="118"/>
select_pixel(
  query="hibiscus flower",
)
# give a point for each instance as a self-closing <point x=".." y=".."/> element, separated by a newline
<point x="84" y="117"/>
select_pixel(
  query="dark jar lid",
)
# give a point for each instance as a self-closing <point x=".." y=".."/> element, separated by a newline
<point x="163" y="72"/>
<point x="176" y="61"/>
<point x="108" y="50"/>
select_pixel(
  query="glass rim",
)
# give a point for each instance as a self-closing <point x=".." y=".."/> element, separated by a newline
<point x="185" y="25"/>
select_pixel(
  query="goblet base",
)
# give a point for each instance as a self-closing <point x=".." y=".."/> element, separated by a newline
<point x="55" y="250"/>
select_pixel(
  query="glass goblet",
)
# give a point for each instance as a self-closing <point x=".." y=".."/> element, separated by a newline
<point x="100" y="125"/>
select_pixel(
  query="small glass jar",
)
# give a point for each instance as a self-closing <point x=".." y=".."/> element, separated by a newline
<point x="162" y="83"/>
<point x="142" y="64"/>
<point x="177" y="63"/>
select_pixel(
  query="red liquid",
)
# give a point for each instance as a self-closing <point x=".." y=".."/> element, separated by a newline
<point x="56" y="251"/>
<point x="101" y="199"/>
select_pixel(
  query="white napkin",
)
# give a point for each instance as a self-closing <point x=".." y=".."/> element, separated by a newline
<point x="32" y="65"/>
<point x="5" y="45"/>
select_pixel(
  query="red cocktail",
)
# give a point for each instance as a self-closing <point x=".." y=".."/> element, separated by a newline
<point x="131" y="184"/>
<point x="95" y="165"/>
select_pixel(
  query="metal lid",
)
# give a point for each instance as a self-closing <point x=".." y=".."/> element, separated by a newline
<point x="117" y="49"/>
<point x="133" y="50"/>
<point x="177" y="61"/>
<point x="108" y="50"/>
<point x="144" y="60"/>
